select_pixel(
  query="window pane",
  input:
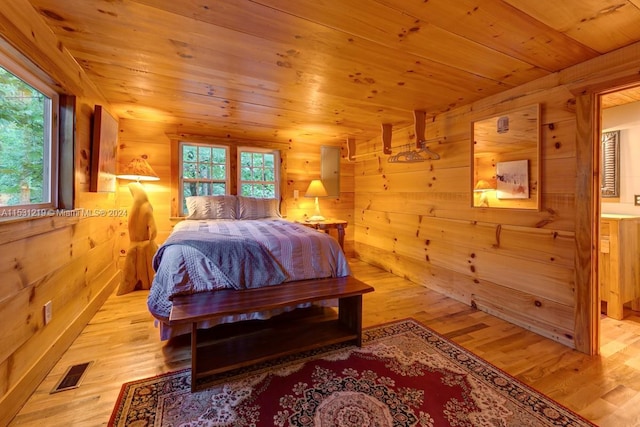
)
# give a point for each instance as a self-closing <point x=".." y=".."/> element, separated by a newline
<point x="203" y="189"/>
<point x="245" y="174"/>
<point x="245" y="159"/>
<point x="269" y="175"/>
<point x="189" y="170"/>
<point x="219" y="189"/>
<point x="219" y="155"/>
<point x="270" y="191"/>
<point x="258" y="175"/>
<point x="24" y="142"/>
<point x="204" y="171"/>
<point x="189" y="189"/>
<point x="189" y="153"/>
<point x="219" y="172"/>
<point x="269" y="160"/>
<point x="204" y="154"/>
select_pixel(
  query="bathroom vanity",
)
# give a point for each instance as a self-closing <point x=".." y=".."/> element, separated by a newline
<point x="619" y="263"/>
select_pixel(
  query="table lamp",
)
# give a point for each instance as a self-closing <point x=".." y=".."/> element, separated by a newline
<point x="483" y="187"/>
<point x="316" y="189"/>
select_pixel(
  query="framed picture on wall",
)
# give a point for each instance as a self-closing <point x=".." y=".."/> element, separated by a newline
<point x="103" y="151"/>
<point x="512" y="180"/>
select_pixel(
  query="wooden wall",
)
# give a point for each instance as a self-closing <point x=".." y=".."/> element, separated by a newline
<point x="73" y="261"/>
<point x="416" y="220"/>
<point x="301" y="164"/>
<point x="68" y="260"/>
<point x="531" y="268"/>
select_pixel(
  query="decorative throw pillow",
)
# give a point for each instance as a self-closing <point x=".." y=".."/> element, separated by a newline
<point x="254" y="208"/>
<point x="211" y="207"/>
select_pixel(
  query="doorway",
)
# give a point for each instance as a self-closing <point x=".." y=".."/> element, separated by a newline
<point x="619" y="202"/>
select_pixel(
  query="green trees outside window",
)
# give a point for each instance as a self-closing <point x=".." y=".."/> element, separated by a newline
<point x="258" y="174"/>
<point x="205" y="171"/>
<point x="25" y="115"/>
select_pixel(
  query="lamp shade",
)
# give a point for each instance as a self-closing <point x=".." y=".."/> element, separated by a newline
<point x="139" y="170"/>
<point x="483" y="185"/>
<point x="316" y="189"/>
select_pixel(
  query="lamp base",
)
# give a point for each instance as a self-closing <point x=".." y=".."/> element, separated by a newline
<point x="484" y="201"/>
<point x="316" y="218"/>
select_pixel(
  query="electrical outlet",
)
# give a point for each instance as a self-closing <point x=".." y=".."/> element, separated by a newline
<point x="48" y="313"/>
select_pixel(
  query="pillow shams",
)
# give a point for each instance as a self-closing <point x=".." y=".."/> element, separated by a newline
<point x="211" y="207"/>
<point x="254" y="208"/>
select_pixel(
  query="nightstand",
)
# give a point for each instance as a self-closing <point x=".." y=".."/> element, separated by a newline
<point x="327" y="225"/>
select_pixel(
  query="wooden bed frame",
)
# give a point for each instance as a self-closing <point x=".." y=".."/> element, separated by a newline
<point x="224" y="353"/>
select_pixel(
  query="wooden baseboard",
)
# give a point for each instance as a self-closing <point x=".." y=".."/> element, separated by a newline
<point x="15" y="398"/>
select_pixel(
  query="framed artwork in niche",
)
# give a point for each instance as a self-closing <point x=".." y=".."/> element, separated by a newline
<point x="512" y="180"/>
<point x="103" y="151"/>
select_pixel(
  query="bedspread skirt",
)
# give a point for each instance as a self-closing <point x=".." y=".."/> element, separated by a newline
<point x="301" y="252"/>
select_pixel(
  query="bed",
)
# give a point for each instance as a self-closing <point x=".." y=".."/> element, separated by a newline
<point x="229" y="242"/>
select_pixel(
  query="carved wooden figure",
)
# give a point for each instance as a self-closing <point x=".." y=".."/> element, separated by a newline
<point x="138" y="271"/>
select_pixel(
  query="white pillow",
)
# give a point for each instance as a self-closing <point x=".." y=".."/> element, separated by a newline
<point x="254" y="208"/>
<point x="211" y="207"/>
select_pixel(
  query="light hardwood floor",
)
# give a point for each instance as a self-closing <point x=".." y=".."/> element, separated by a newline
<point x="123" y="345"/>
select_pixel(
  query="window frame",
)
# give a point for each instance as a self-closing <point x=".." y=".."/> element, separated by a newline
<point x="276" y="166"/>
<point x="181" y="179"/>
<point x="176" y="213"/>
<point x="51" y="143"/>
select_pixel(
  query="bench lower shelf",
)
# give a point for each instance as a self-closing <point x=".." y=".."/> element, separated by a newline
<point x="277" y="340"/>
<point x="240" y="344"/>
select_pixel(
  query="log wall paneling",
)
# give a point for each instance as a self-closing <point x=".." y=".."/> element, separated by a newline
<point x="412" y="219"/>
<point x="415" y="220"/>
<point x="68" y="260"/>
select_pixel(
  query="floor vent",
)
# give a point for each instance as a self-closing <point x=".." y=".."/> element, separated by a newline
<point x="71" y="378"/>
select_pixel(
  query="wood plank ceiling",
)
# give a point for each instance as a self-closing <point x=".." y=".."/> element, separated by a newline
<point x="302" y="70"/>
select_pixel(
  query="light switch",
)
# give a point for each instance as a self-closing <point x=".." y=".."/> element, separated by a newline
<point x="296" y="193"/>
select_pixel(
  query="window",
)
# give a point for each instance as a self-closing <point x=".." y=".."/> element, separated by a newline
<point x="258" y="173"/>
<point x="204" y="171"/>
<point x="28" y="141"/>
<point x="205" y="168"/>
<point x="610" y="167"/>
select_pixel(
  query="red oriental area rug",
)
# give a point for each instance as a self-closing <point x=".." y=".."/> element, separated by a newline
<point x="404" y="375"/>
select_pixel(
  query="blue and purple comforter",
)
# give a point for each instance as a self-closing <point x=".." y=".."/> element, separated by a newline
<point x="205" y="255"/>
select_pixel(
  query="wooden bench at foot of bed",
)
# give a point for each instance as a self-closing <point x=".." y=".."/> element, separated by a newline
<point x="278" y="339"/>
